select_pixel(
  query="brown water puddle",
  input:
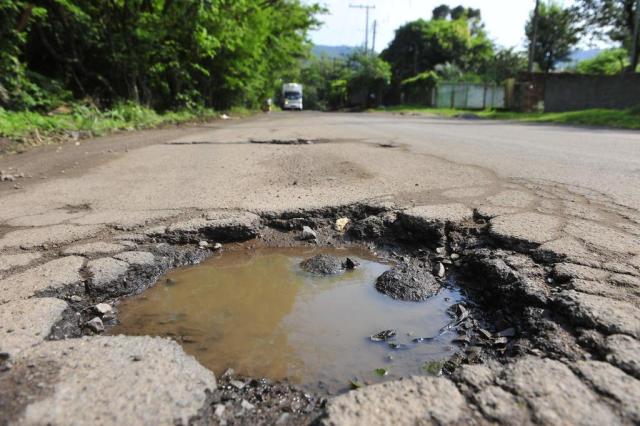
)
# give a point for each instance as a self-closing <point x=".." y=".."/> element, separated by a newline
<point x="257" y="312"/>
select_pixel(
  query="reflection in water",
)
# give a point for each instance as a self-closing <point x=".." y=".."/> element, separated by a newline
<point x="260" y="314"/>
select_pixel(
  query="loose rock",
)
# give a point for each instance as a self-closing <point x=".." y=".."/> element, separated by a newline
<point x="103" y="308"/>
<point x="95" y="325"/>
<point x="383" y="336"/>
<point x="407" y="282"/>
<point x="341" y="224"/>
<point x="308" y="234"/>
<point x="323" y="264"/>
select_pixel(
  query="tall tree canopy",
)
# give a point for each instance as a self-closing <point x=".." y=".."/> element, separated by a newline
<point x="556" y="36"/>
<point x="165" y="53"/>
<point x="615" y="19"/>
<point x="421" y="45"/>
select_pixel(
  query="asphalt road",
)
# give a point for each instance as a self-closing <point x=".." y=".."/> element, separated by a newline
<point x="571" y="192"/>
<point x="603" y="160"/>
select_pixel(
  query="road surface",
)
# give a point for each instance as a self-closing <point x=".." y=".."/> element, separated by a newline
<point x="570" y="192"/>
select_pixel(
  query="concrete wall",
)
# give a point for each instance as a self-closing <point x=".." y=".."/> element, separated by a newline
<point x="571" y="92"/>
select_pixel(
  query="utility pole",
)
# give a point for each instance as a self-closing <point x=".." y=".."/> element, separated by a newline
<point x="375" y="29"/>
<point x="366" y="31"/>
<point x="534" y="38"/>
<point x="636" y="34"/>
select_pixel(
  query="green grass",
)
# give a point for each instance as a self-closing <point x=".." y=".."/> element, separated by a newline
<point x="622" y="119"/>
<point x="27" y="129"/>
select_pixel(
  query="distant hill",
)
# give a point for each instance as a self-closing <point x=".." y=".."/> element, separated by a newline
<point x="332" y="51"/>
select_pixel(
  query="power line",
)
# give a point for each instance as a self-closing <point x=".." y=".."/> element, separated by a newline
<point x="366" y="30"/>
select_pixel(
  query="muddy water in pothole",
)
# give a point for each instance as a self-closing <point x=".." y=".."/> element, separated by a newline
<point x="258" y="312"/>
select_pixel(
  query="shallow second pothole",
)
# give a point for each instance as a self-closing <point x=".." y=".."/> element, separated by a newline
<point x="257" y="312"/>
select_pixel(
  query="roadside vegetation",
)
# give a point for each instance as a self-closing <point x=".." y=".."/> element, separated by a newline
<point x="622" y="119"/>
<point x="90" y="67"/>
<point x="23" y="129"/>
<point x="95" y="66"/>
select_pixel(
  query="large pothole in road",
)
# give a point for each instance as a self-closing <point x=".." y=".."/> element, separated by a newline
<point x="262" y="313"/>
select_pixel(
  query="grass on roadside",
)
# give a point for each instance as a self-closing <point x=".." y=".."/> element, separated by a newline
<point x="622" y="119"/>
<point x="25" y="128"/>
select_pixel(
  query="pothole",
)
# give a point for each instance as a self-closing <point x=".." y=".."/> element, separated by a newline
<point x="298" y="141"/>
<point x="259" y="313"/>
<point x="250" y="311"/>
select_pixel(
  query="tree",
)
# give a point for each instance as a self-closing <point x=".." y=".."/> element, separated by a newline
<point x="556" y="35"/>
<point x="418" y="89"/>
<point x="368" y="77"/>
<point x="163" y="53"/>
<point x="505" y="64"/>
<point x="420" y="45"/>
<point x="441" y="12"/>
<point x="613" y="19"/>
<point x="607" y="62"/>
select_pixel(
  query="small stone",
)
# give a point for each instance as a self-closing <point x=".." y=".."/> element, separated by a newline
<point x="350" y="264"/>
<point x="237" y="384"/>
<point x="95" y="325"/>
<point x="308" y="234"/>
<point x="283" y="419"/>
<point x="439" y="270"/>
<point x="383" y="335"/>
<point x="341" y="224"/>
<point x="247" y="405"/>
<point x="217" y="246"/>
<point x="203" y="244"/>
<point x="219" y="411"/>
<point x="75" y="298"/>
<point x="455" y="256"/>
<point x="103" y="308"/>
<point x="509" y="332"/>
<point x="485" y="333"/>
<point x="500" y="341"/>
<point x="440" y="250"/>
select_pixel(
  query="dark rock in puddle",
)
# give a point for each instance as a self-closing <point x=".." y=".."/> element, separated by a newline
<point x="350" y="264"/>
<point x="407" y="282"/>
<point x="383" y="335"/>
<point x="323" y="264"/>
<point x="397" y="346"/>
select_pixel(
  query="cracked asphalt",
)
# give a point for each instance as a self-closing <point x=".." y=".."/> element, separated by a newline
<point x="562" y="203"/>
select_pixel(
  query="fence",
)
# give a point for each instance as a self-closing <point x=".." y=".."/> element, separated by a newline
<point x="560" y="92"/>
<point x="469" y="96"/>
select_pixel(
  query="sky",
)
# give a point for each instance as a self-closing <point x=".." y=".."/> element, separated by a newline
<point x="504" y="19"/>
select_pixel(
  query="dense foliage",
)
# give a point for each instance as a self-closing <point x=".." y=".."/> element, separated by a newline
<point x="360" y="79"/>
<point x="557" y="34"/>
<point x="421" y="45"/>
<point x="607" y="62"/>
<point x="613" y="19"/>
<point x="162" y="53"/>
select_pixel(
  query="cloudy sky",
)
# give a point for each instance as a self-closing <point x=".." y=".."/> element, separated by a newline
<point x="504" y="19"/>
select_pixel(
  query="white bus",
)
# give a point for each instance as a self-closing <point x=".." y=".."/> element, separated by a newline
<point x="292" y="96"/>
